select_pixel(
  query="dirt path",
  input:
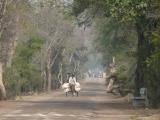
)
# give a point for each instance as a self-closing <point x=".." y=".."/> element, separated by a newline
<point x="92" y="104"/>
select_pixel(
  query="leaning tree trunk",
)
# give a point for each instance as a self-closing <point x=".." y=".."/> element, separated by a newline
<point x="2" y="87"/>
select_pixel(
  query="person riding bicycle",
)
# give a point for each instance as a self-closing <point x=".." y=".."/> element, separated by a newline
<point x="72" y="83"/>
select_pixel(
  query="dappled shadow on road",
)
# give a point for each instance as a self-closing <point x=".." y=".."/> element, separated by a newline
<point x="76" y="104"/>
<point x="92" y="96"/>
<point x="115" y="105"/>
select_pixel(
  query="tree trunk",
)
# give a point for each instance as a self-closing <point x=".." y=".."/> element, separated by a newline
<point x="139" y="79"/>
<point x="143" y="52"/>
<point x="2" y="13"/>
<point x="2" y="87"/>
<point x="13" y="42"/>
<point x="44" y="80"/>
<point x="60" y="75"/>
<point x="49" y="76"/>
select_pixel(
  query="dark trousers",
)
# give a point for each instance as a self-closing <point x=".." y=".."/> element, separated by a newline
<point x="72" y="88"/>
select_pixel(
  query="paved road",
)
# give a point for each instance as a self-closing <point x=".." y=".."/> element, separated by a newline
<point x="92" y="104"/>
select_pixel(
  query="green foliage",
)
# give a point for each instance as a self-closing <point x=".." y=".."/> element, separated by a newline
<point x="24" y="75"/>
<point x="116" y="40"/>
<point x="153" y="76"/>
<point x="122" y="10"/>
<point x="11" y="82"/>
<point x="118" y="16"/>
<point x="79" y="6"/>
<point x="114" y="36"/>
<point x="126" y="10"/>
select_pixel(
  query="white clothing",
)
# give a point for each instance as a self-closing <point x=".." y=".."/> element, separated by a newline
<point x="72" y="80"/>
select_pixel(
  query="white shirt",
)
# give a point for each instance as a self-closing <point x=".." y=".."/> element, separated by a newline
<point x="72" y="80"/>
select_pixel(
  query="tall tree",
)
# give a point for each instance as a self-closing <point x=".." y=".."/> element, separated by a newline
<point x="3" y="6"/>
<point x="135" y="13"/>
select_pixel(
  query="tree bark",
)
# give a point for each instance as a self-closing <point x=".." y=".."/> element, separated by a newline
<point x="143" y="52"/>
<point x="50" y="63"/>
<point x="13" y="43"/>
<point x="49" y="73"/>
<point x="2" y="87"/>
<point x="139" y="79"/>
<point x="60" y="74"/>
<point x="49" y="79"/>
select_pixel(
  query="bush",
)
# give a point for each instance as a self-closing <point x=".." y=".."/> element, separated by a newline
<point x="24" y="75"/>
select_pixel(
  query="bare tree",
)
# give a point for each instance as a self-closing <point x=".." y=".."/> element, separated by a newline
<point x="9" y="34"/>
<point x="56" y="31"/>
<point x="2" y="87"/>
<point x="3" y="5"/>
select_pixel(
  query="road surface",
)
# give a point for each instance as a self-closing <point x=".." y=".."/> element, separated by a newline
<point x="92" y="104"/>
